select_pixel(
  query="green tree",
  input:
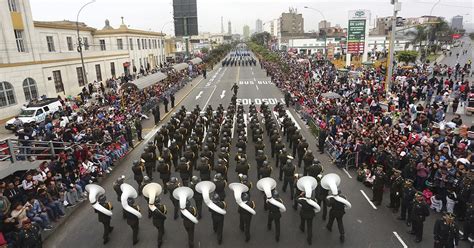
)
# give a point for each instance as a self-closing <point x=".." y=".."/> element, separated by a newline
<point x="261" y="38"/>
<point x="205" y="50"/>
<point x="419" y="35"/>
<point x="407" y="56"/>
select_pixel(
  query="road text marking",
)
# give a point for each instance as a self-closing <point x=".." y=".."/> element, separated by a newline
<point x="199" y="95"/>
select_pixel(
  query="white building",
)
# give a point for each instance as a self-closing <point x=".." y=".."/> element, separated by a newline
<point x="41" y="58"/>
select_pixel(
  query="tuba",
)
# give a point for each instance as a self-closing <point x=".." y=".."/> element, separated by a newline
<point x="307" y="184"/>
<point x="95" y="191"/>
<point x="238" y="189"/>
<point x="151" y="191"/>
<point x="330" y="182"/>
<point x="129" y="192"/>
<point x="205" y="188"/>
<point x="266" y="185"/>
<point x="182" y="194"/>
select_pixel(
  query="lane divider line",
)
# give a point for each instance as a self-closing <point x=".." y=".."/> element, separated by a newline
<point x="347" y="173"/>
<point x="370" y="202"/>
<point x="400" y="239"/>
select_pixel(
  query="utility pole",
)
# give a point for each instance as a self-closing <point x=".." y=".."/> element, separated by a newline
<point x="396" y="8"/>
<point x="79" y="45"/>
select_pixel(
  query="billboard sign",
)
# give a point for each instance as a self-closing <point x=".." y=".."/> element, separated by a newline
<point x="356" y="36"/>
<point x="185" y="17"/>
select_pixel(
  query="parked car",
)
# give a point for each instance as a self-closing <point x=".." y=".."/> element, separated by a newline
<point x="36" y="112"/>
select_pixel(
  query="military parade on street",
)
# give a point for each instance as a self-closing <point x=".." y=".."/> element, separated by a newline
<point x="353" y="135"/>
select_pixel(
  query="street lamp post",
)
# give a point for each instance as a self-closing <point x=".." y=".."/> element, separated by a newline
<point x="325" y="34"/>
<point x="162" y="42"/>
<point x="79" y="39"/>
<point x="428" y="34"/>
<point x="396" y="7"/>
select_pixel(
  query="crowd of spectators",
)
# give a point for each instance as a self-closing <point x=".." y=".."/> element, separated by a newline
<point x="98" y="128"/>
<point x="405" y="129"/>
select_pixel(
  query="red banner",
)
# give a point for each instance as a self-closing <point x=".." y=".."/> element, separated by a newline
<point x="456" y="36"/>
<point x="355" y="47"/>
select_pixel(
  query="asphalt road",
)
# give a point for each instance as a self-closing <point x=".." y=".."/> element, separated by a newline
<point x="364" y="225"/>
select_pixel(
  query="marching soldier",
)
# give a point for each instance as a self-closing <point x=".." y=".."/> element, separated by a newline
<point x="315" y="169"/>
<point x="190" y="157"/>
<point x="306" y="215"/>
<point x="282" y="157"/>
<point x="165" y="172"/>
<point x="289" y="172"/>
<point x="277" y="148"/>
<point x="105" y="219"/>
<point x="137" y="170"/>
<point x="301" y="150"/>
<point x="259" y="146"/>
<point x="307" y="159"/>
<point x="235" y="88"/>
<point x="171" y="186"/>
<point x="184" y="170"/>
<point x="189" y="225"/>
<point x="321" y="195"/>
<point x="208" y="154"/>
<point x="396" y="183"/>
<point x="298" y="192"/>
<point x="217" y="218"/>
<point x="197" y="196"/>
<point x="195" y="148"/>
<point x="221" y="168"/>
<point x="295" y="140"/>
<point x="245" y="180"/>
<point x="175" y="153"/>
<point x="132" y="220"/>
<point x="204" y="169"/>
<point x="242" y="167"/>
<point x="260" y="158"/>
<point x="273" y="141"/>
<point x="221" y="184"/>
<point x="378" y="185"/>
<point x="165" y="133"/>
<point x="446" y="232"/>
<point x="265" y="170"/>
<point x="337" y="212"/>
<point x="274" y="215"/>
<point x="159" y="211"/>
<point x="240" y="154"/>
<point x="167" y="157"/>
<point x="291" y="130"/>
<point x="116" y="186"/>
<point x="159" y="141"/>
<point x="420" y="211"/>
<point x="241" y="144"/>
<point x="408" y="197"/>
<point x="245" y="216"/>
<point x="150" y="160"/>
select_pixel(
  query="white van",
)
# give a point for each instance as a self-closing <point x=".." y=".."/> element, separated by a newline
<point x="36" y="112"/>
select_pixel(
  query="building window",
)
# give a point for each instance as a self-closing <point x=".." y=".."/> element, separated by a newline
<point x="119" y="44"/>
<point x="30" y="89"/>
<point x="144" y="44"/>
<point x="12" y="5"/>
<point x="69" y="43"/>
<point x="149" y="44"/>
<point x="138" y="44"/>
<point x="102" y="45"/>
<point x="7" y="95"/>
<point x="98" y="73"/>
<point x="20" y="43"/>
<point x="50" y="42"/>
<point x="86" y="43"/>
<point x="58" y="81"/>
<point x="130" y="43"/>
<point x="80" y="76"/>
<point x="112" y="69"/>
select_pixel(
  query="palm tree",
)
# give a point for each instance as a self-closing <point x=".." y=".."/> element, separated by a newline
<point x="419" y="36"/>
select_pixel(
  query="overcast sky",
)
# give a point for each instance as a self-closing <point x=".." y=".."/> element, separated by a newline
<point x="157" y="14"/>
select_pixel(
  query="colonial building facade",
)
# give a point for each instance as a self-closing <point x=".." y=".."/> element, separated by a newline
<point x="41" y="58"/>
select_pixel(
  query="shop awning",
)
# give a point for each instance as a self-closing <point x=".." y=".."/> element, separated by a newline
<point x="196" y="61"/>
<point x="149" y="80"/>
<point x="180" y="67"/>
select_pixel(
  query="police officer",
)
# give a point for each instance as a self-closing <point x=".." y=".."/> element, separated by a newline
<point x="217" y="218"/>
<point x="408" y="196"/>
<point x="184" y="170"/>
<point x="171" y="186"/>
<point x="197" y="196"/>
<point x="204" y="169"/>
<point x="132" y="220"/>
<point x="306" y="215"/>
<point x="378" y="185"/>
<point x="245" y="216"/>
<point x="420" y="211"/>
<point x="159" y="211"/>
<point x="282" y="158"/>
<point x="221" y="184"/>
<point x="165" y="172"/>
<point x="105" y="219"/>
<point x="289" y="172"/>
<point x="274" y="215"/>
<point x="337" y="212"/>
<point x="137" y="170"/>
<point x="301" y="150"/>
<point x="396" y="184"/>
<point x="446" y="232"/>
<point x="189" y="225"/>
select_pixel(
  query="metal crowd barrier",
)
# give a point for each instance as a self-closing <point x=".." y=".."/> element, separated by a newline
<point x="15" y="149"/>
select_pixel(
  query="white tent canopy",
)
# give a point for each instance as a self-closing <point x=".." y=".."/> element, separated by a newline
<point x="180" y="67"/>
<point x="149" y="80"/>
<point x="196" y="61"/>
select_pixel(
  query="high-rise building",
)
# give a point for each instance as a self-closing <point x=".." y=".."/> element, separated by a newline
<point x="222" y="24"/>
<point x="324" y="24"/>
<point x="456" y="22"/>
<point x="246" y="32"/>
<point x="229" y="28"/>
<point x="291" y="23"/>
<point x="258" y="26"/>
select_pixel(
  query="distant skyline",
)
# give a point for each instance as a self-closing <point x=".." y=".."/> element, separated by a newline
<point x="157" y="14"/>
